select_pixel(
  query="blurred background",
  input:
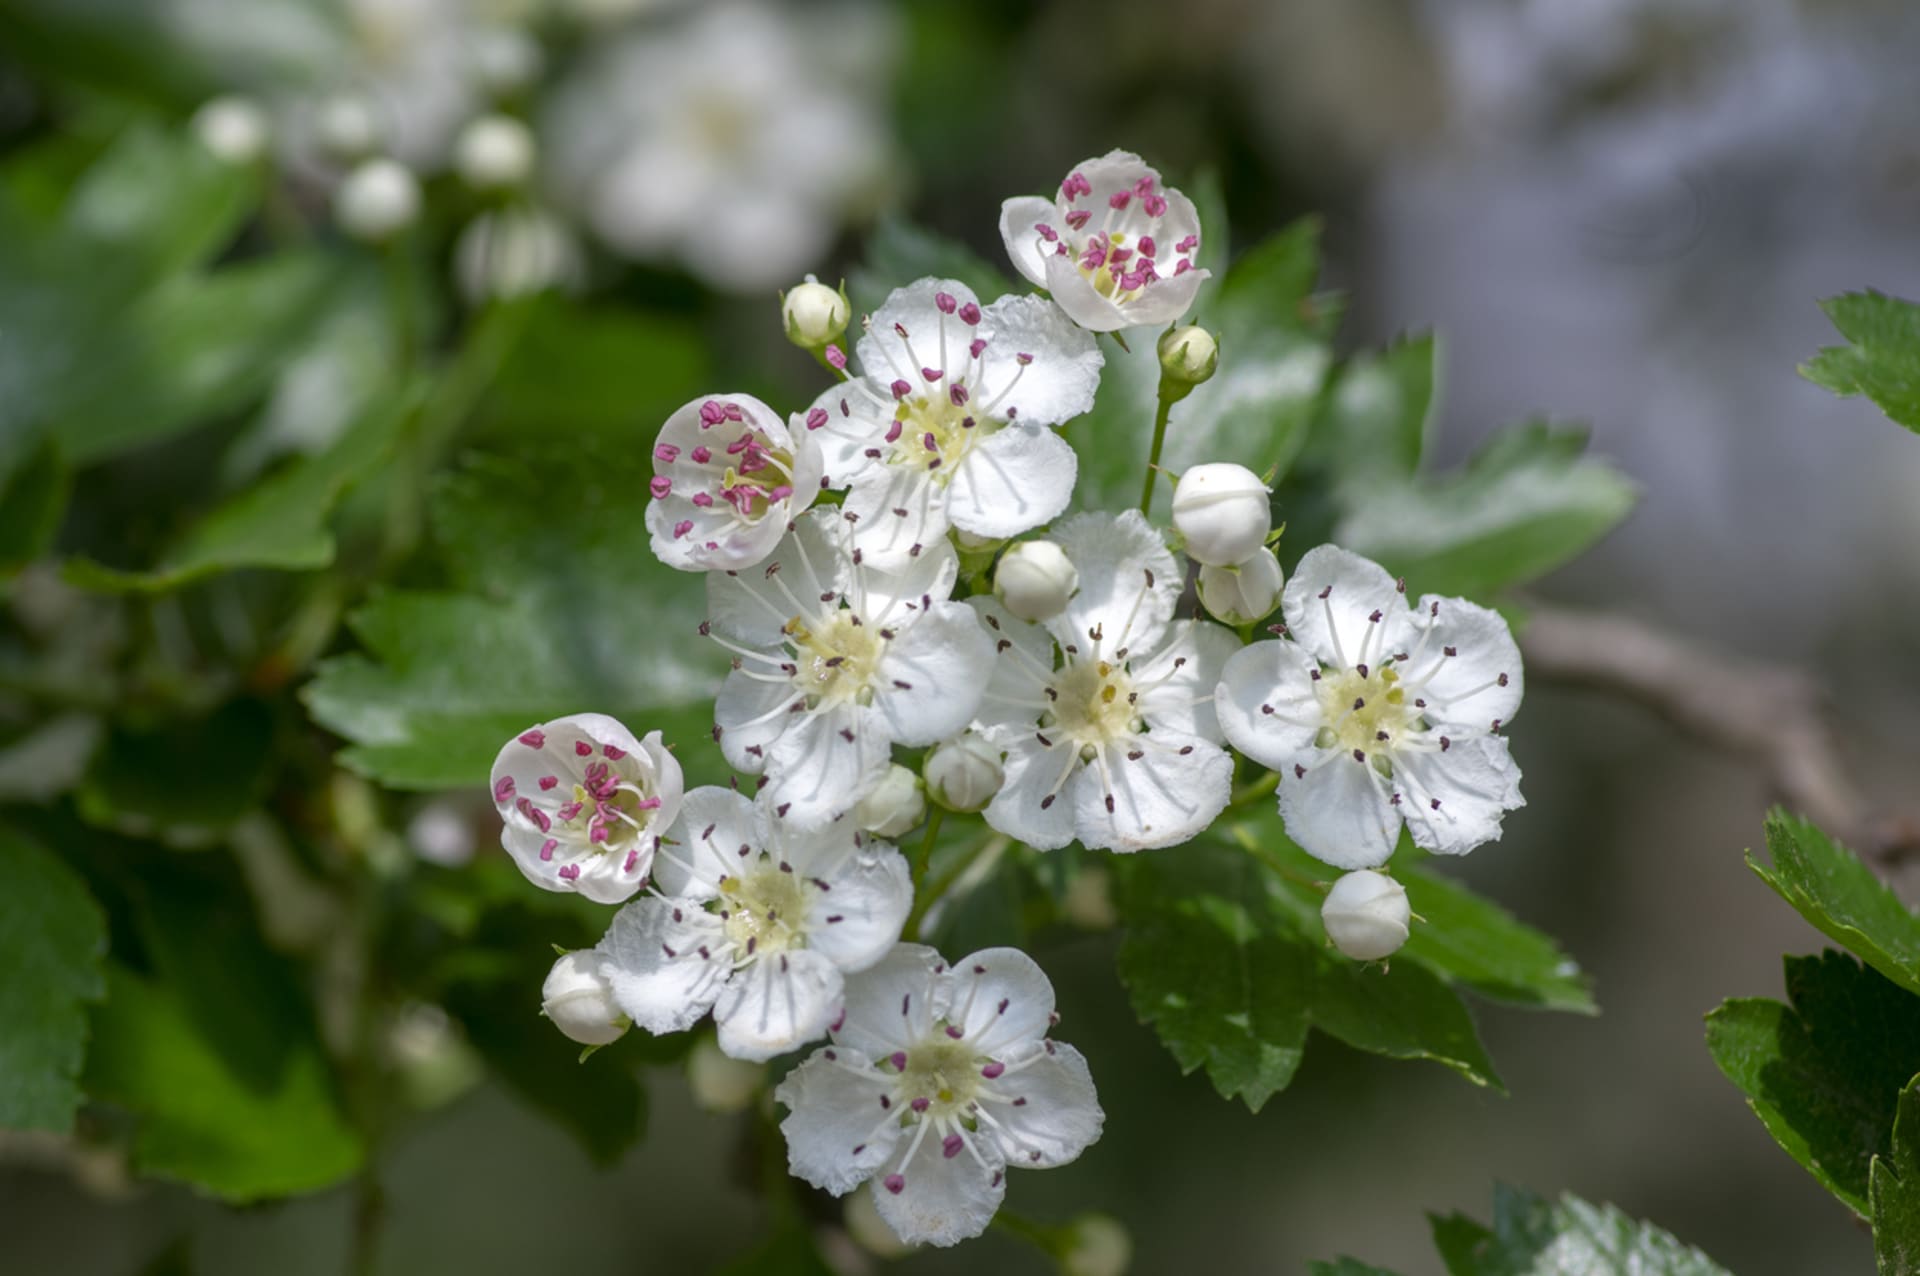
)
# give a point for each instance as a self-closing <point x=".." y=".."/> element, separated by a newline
<point x="1615" y="211"/>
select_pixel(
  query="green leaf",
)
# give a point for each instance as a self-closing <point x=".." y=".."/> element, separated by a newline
<point x="1824" y="1075"/>
<point x="1378" y="406"/>
<point x="1894" y="1187"/>
<point x="1883" y="361"/>
<point x="595" y="372"/>
<point x="158" y="202"/>
<point x="1528" y="501"/>
<point x="1828" y="885"/>
<point x="1532" y="1236"/>
<point x="899" y="252"/>
<point x="52" y="937"/>
<point x="182" y="780"/>
<point x="1347" y="1267"/>
<point x="557" y="606"/>
<point x="790" y="1251"/>
<point x="32" y="500"/>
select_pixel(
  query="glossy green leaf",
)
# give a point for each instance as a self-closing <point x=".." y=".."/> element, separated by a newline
<point x="1347" y="1267"/>
<point x="789" y="1251"/>
<point x="158" y="202"/>
<point x="1883" y="359"/>
<point x="595" y="371"/>
<point x="52" y="937"/>
<point x="1532" y="1236"/>
<point x="32" y="500"/>
<point x="1829" y="886"/>
<point x="1378" y="407"/>
<point x="1894" y="1189"/>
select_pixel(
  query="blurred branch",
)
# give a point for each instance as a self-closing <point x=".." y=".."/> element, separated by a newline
<point x="1773" y="713"/>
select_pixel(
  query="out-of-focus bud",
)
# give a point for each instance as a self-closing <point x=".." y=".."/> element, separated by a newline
<point x="441" y="833"/>
<point x="815" y="314"/>
<point x="494" y="152"/>
<point x="1035" y="580"/>
<point x="964" y="773"/>
<point x="235" y="130"/>
<point x="1366" y="915"/>
<point x="378" y="200"/>
<point x="505" y="59"/>
<point x="1245" y="592"/>
<point x="515" y="252"/>
<point x="720" y="1083"/>
<point x="1188" y="355"/>
<point x="1088" y="901"/>
<point x="1096" y="1245"/>
<point x="580" y="1002"/>
<point x="865" y="1225"/>
<point x="893" y="808"/>
<point x="1221" y="509"/>
<point x="347" y="128"/>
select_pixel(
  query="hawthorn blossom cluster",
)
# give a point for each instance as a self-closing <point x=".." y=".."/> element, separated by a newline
<point x="918" y="628"/>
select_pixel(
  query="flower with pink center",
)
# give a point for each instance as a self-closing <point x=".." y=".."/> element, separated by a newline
<point x="937" y="1080"/>
<point x="1116" y="248"/>
<point x="583" y="803"/>
<point x="946" y="423"/>
<point x="728" y="476"/>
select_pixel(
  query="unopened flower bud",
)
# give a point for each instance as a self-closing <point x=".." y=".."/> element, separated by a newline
<point x="1221" y="509"/>
<point x="964" y="773"/>
<point x="505" y="59"/>
<point x="580" y="1002"/>
<point x="1245" y="592"/>
<point x="1366" y="915"/>
<point x="347" y="128"/>
<point x="1035" y="580"/>
<point x="494" y="152"/>
<point x="1097" y="1245"/>
<point x="815" y="314"/>
<point x="720" y="1083"/>
<point x="869" y="1230"/>
<point x="1188" y="355"/>
<point x="893" y="808"/>
<point x="378" y="200"/>
<point x="235" y="130"/>
<point x="515" y="252"/>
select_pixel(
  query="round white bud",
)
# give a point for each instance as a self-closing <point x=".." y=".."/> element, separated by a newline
<point x="1097" y="1245"/>
<point x="235" y="130"/>
<point x="1188" y="355"/>
<point x="815" y="314"/>
<point x="869" y="1230"/>
<point x="1221" y="509"/>
<point x="579" y="1000"/>
<point x="505" y="59"/>
<point x="893" y="808"/>
<point x="720" y="1083"/>
<point x="347" y="127"/>
<point x="493" y="152"/>
<point x="1366" y="915"/>
<point x="1245" y="592"/>
<point x="378" y="200"/>
<point x="440" y="833"/>
<point x="964" y="773"/>
<point x="515" y="252"/>
<point x="1035" y="580"/>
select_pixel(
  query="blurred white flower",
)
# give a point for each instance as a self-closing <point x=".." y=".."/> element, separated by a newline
<point x="234" y="128"/>
<point x="378" y="200"/>
<point x="515" y="252"/>
<point x="493" y="152"/>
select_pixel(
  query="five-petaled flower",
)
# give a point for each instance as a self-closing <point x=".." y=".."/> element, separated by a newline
<point x="1116" y="248"/>
<point x="937" y="1081"/>
<point x="758" y="922"/>
<point x="729" y="476"/>
<point x="1376" y="714"/>
<point x="1113" y="739"/>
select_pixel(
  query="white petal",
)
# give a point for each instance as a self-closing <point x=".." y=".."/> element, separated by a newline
<point x="895" y="508"/>
<point x="1129" y="582"/>
<point x="885" y="355"/>
<point x="1018" y="217"/>
<point x="1021" y="808"/>
<point x="1074" y="293"/>
<point x="1181" y="677"/>
<point x="751" y="714"/>
<point x="1266" y="703"/>
<point x="753" y="604"/>
<point x="1023" y="650"/>
<point x="1465" y="688"/>
<point x="932" y="676"/>
<point x="1475" y="782"/>
<point x="1012" y="481"/>
<point x="837" y="1132"/>
<point x="942" y="1200"/>
<point x="1340" y="627"/>
<point x="718" y="540"/>
<point x="1062" y="371"/>
<point x="714" y="824"/>
<point x="779" y="1003"/>
<point x="892" y="1003"/>
<point x="893" y="594"/>
<point x="1061" y="1117"/>
<point x="655" y="967"/>
<point x="1165" y="299"/>
<point x="825" y="762"/>
<point x="857" y="920"/>
<point x="1001" y="1001"/>
<point x="855" y="423"/>
<point x="1340" y="813"/>
<point x="1167" y="788"/>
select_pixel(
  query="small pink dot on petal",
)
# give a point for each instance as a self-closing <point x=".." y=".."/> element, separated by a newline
<point x="582" y="749"/>
<point x="503" y="789"/>
<point x="547" y="848"/>
<point x="533" y="739"/>
<point x="547" y="782"/>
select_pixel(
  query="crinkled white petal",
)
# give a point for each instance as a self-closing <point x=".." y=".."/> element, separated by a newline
<point x="892" y="1004"/>
<point x="1034" y="772"/>
<point x="893" y="595"/>
<point x="1000" y="1000"/>
<point x="1060" y="372"/>
<point x="896" y="509"/>
<point x="654" y="963"/>
<point x="1179" y="679"/>
<point x="1012" y="481"/>
<point x="1340" y="813"/>
<point x="931" y="677"/>
<point x="1465" y="689"/>
<point x="1019" y="217"/>
<point x="856" y="921"/>
<point x="1061" y="1117"/>
<point x="1267" y="705"/>
<point x="1166" y="788"/>
<point x="836" y="1129"/>
<point x="1339" y="627"/>
<point x="943" y="1199"/>
<point x="1475" y="781"/>
<point x="825" y="762"/>
<point x="851" y="442"/>
<point x="885" y="355"/>
<point x="1129" y="582"/>
<point x="752" y="605"/>
<point x="1023" y="652"/>
<point x="779" y="1003"/>
<point x="714" y="824"/>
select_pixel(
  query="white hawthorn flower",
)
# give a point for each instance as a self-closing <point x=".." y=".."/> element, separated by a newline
<point x="235" y="129"/>
<point x="378" y="200"/>
<point x="494" y="152"/>
<point x="1113" y="740"/>
<point x="583" y="803"/>
<point x="515" y="251"/>
<point x="729" y="478"/>
<point x="1367" y="915"/>
<point x="1375" y="714"/>
<point x="1221" y="510"/>
<point x="1116" y="248"/>
<point x="836" y="662"/>
<point x="578" y="1000"/>
<point x="1245" y="592"/>
<point x="937" y="1081"/>
<point x="946" y="421"/>
<point x="756" y="921"/>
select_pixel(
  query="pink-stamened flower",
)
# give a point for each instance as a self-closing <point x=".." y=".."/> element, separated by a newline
<point x="937" y="1080"/>
<point x="1081" y="246"/>
<point x="947" y="422"/>
<point x="583" y="802"/>
<point x="729" y="475"/>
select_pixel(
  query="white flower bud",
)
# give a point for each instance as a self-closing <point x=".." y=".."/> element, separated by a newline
<point x="234" y="129"/>
<point x="378" y="200"/>
<point x="1188" y="355"/>
<point x="815" y="314"/>
<point x="869" y="1230"/>
<point x="964" y="773"/>
<point x="720" y="1083"/>
<point x="1097" y="1245"/>
<point x="1366" y="915"/>
<point x="1221" y="509"/>
<point x="1088" y="901"/>
<point x="514" y="252"/>
<point x="1245" y="592"/>
<point x="893" y="808"/>
<point x="346" y="127"/>
<point x="1034" y="580"/>
<point x="580" y="1002"/>
<point x="493" y="152"/>
<point x="505" y="59"/>
<point x="441" y="833"/>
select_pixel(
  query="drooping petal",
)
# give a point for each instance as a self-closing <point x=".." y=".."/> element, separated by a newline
<point x="1023" y="655"/>
<point x="942" y="1197"/>
<point x="1177" y="683"/>
<point x="1468" y="666"/>
<point x="837" y="1131"/>
<point x="1474" y="783"/>
<point x="714" y="823"/>
<point x="1060" y="1117"/>
<point x="1129" y="582"/>
<point x="825" y="762"/>
<point x="891" y="1004"/>
<point x="1266" y="703"/>
<point x="1033" y="805"/>
<point x="1038" y="365"/>
<point x="1331" y="602"/>
<point x="664" y="962"/>
<point x="1340" y="813"/>
<point x="1012" y="481"/>
<point x="1019" y="219"/>
<point x="751" y="606"/>
<point x="1000" y="1000"/>
<point x="856" y="921"/>
<point x="750" y="714"/>
<point x="779" y="1003"/>
<point x="1157" y="789"/>
<point x="932" y="676"/>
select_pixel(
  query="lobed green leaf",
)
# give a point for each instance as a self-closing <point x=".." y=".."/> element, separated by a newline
<point x="1883" y="359"/>
<point x="1532" y="1236"/>
<point x="52" y="939"/>
<point x="1829" y="886"/>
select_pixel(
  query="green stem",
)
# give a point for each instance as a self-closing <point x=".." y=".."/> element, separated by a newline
<point x="1049" y="1240"/>
<point x="1256" y="790"/>
<point x="925" y="857"/>
<point x="1153" y="456"/>
<point x="924" y="900"/>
